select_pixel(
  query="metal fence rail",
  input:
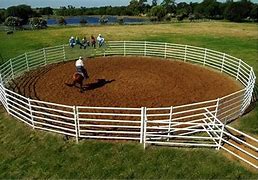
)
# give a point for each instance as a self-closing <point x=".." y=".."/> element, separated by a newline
<point x="196" y="125"/>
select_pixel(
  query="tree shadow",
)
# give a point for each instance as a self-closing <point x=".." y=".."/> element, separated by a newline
<point x="98" y="84"/>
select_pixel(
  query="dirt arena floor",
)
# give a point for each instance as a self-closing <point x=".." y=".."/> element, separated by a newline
<point x="127" y="82"/>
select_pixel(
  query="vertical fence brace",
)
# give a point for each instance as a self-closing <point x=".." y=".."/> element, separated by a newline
<point x="27" y="62"/>
<point x="238" y="70"/>
<point x="145" y="48"/>
<point x="64" y="52"/>
<point x="185" y="52"/>
<point x="124" y="49"/>
<point x="221" y="134"/>
<point x="31" y="114"/>
<point x="165" y="52"/>
<point x="76" y="123"/>
<point x="223" y="61"/>
<point x="45" y="56"/>
<point x="11" y="64"/>
<point x="204" y="58"/>
<point x="145" y="127"/>
<point x="170" y="121"/>
<point x="142" y="125"/>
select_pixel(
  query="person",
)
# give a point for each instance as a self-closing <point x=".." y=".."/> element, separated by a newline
<point x="85" y="43"/>
<point x="100" y="40"/>
<point x="93" y="41"/>
<point x="80" y="68"/>
<point x="77" y="41"/>
<point x="72" y="42"/>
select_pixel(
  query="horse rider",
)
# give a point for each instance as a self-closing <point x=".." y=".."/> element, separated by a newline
<point x="100" y="40"/>
<point x="80" y="68"/>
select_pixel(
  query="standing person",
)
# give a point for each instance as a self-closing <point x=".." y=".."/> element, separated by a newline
<point x="100" y="40"/>
<point x="80" y="68"/>
<point x="85" y="42"/>
<point x="77" y="41"/>
<point x="72" y="42"/>
<point x="93" y="41"/>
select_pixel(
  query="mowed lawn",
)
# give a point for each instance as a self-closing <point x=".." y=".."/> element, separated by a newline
<point x="25" y="153"/>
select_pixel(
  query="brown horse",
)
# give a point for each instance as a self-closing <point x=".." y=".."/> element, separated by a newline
<point x="77" y="79"/>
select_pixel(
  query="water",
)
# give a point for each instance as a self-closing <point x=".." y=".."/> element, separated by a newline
<point x="93" y="20"/>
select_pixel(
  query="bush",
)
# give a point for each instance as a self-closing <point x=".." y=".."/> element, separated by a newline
<point x="13" y="21"/>
<point x="38" y="23"/>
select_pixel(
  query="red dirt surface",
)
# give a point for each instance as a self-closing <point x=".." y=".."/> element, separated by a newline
<point x="127" y="82"/>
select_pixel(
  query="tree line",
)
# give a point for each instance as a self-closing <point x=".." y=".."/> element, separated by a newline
<point x="243" y="10"/>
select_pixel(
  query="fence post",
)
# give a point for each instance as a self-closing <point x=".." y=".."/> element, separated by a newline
<point x="45" y="56"/>
<point x="204" y="58"/>
<point x="185" y="53"/>
<point x="142" y="125"/>
<point x="1" y="80"/>
<point x="238" y="70"/>
<point x="124" y="49"/>
<point x="170" y="121"/>
<point x="145" y="127"/>
<point x="31" y="114"/>
<point x="5" y="97"/>
<point x="64" y="52"/>
<point x="223" y="61"/>
<point x="145" y="48"/>
<point x="11" y="64"/>
<point x="216" y="111"/>
<point x="221" y="134"/>
<point x="27" y="62"/>
<point x="165" y="53"/>
<point x="76" y="124"/>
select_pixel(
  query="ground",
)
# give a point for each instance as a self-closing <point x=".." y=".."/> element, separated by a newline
<point x="127" y="82"/>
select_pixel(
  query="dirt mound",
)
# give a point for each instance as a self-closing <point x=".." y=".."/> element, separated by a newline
<point x="127" y="82"/>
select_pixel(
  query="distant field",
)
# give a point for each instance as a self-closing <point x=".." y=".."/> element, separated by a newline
<point x="31" y="154"/>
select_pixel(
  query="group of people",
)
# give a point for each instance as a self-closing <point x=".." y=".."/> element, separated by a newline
<point x="85" y="43"/>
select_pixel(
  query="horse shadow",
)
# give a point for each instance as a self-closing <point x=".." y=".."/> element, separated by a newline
<point x="98" y="84"/>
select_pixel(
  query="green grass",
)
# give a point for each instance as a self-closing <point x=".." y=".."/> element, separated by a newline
<point x="26" y="153"/>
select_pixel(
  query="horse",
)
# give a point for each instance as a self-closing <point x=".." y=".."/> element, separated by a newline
<point x="77" y="78"/>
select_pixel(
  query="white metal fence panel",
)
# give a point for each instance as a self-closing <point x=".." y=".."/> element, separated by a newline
<point x="18" y="106"/>
<point x="181" y="125"/>
<point x="54" y="117"/>
<point x="109" y="123"/>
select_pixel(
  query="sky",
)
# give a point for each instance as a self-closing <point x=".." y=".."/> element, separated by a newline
<point x="77" y="3"/>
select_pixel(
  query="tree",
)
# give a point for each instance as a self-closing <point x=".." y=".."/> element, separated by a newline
<point x="46" y="11"/>
<point x="209" y="9"/>
<point x="38" y="23"/>
<point x="2" y="15"/>
<point x="154" y="3"/>
<point x="158" y="11"/>
<point x="13" y="21"/>
<point x="254" y="12"/>
<point x="238" y="11"/>
<point x="183" y="8"/>
<point x="169" y="5"/>
<point x="24" y="12"/>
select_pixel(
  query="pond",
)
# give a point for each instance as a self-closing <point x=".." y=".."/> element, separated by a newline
<point x="95" y="20"/>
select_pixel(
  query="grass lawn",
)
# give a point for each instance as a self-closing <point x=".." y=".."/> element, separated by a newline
<point x="26" y="153"/>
